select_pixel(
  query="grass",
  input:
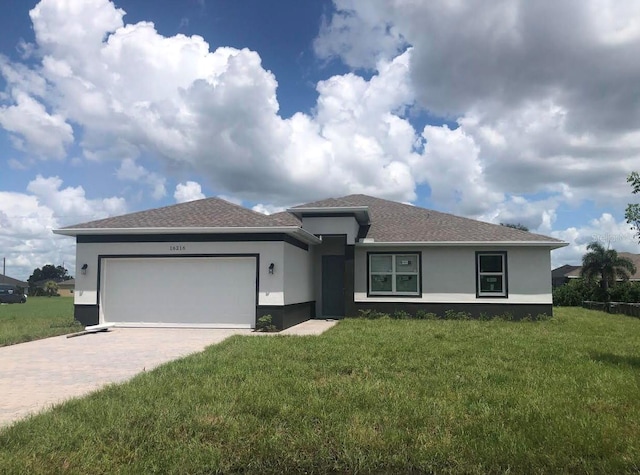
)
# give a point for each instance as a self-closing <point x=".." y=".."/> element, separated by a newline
<point x="383" y="396"/>
<point x="40" y="317"/>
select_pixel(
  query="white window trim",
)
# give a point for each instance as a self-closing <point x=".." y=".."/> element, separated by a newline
<point x="503" y="274"/>
<point x="393" y="273"/>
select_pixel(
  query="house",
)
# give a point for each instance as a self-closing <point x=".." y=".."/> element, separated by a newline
<point x="575" y="273"/>
<point x="5" y="279"/>
<point x="559" y="275"/>
<point x="211" y="263"/>
<point x="66" y="287"/>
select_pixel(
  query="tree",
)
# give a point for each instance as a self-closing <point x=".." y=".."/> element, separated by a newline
<point x="519" y="226"/>
<point x="632" y="213"/>
<point x="48" y="272"/>
<point x="51" y="288"/>
<point x="606" y="265"/>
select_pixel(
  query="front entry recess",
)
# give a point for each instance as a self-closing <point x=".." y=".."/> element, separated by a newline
<point x="333" y="286"/>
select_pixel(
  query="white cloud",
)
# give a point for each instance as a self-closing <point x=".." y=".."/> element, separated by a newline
<point x="188" y="191"/>
<point x="545" y="114"/>
<point x="133" y="92"/>
<point x="340" y="36"/>
<point x="549" y="109"/>
<point x="130" y="171"/>
<point x="27" y="221"/>
<point x="35" y="129"/>
<point x="605" y="229"/>
<point x="268" y="209"/>
<point x="451" y="165"/>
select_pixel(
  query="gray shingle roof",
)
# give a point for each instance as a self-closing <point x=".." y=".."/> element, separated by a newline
<point x="563" y="271"/>
<point x="397" y="222"/>
<point x="5" y="279"/>
<point x="206" y="213"/>
<point x="390" y="221"/>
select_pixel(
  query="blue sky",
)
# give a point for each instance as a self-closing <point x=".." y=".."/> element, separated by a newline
<point x="504" y="111"/>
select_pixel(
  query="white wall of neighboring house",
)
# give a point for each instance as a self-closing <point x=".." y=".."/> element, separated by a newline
<point x="449" y="275"/>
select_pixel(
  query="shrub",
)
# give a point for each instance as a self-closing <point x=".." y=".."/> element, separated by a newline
<point x="628" y="292"/>
<point x="453" y="315"/>
<point x="574" y="292"/>
<point x="371" y="314"/>
<point x="401" y="315"/>
<point x="423" y="315"/>
<point x="265" y="324"/>
<point x="485" y="316"/>
<point x="507" y="316"/>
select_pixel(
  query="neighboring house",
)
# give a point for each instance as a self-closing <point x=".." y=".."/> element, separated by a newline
<point x="65" y="288"/>
<point x="210" y="263"/>
<point x="635" y="258"/>
<point x="5" y="279"/>
<point x="559" y="275"/>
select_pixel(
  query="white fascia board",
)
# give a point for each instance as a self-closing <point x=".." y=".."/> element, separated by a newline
<point x="549" y="244"/>
<point x="295" y="231"/>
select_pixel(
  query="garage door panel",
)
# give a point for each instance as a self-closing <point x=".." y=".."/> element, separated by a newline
<point x="217" y="291"/>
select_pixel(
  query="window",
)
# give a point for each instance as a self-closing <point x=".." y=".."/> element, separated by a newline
<point x="394" y="274"/>
<point x="492" y="274"/>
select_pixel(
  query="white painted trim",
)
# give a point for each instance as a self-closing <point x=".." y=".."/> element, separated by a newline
<point x="443" y="298"/>
<point x="550" y="244"/>
<point x="296" y="231"/>
<point x="176" y="325"/>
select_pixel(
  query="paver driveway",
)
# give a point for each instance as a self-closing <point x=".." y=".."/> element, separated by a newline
<point x="37" y="374"/>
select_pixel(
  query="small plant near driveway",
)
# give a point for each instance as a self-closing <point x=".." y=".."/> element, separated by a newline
<point x="265" y="324"/>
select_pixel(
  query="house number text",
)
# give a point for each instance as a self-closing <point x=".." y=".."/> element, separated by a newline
<point x="177" y="247"/>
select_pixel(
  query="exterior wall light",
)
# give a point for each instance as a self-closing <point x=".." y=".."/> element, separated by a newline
<point x="84" y="268"/>
<point x="271" y="267"/>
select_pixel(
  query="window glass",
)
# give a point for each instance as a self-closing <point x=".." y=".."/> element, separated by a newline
<point x="491" y="263"/>
<point x="491" y="283"/>
<point x="381" y="283"/>
<point x="407" y="263"/>
<point x="381" y="263"/>
<point x="394" y="274"/>
<point x="406" y="283"/>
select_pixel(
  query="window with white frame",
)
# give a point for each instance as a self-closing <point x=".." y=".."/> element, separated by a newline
<point x="394" y="274"/>
<point x="492" y="274"/>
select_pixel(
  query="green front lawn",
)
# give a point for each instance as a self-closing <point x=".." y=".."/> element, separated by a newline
<point x="40" y="317"/>
<point x="390" y="396"/>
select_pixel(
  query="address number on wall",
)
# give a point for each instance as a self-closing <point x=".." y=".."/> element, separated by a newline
<point x="177" y="247"/>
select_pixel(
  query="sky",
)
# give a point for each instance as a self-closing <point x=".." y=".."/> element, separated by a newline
<point x="499" y="110"/>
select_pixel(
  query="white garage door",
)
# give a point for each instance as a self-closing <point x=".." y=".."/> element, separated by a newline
<point x="199" y="291"/>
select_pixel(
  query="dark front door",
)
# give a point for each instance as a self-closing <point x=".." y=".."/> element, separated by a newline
<point x="333" y="286"/>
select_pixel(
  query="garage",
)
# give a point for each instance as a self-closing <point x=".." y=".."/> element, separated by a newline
<point x="207" y="292"/>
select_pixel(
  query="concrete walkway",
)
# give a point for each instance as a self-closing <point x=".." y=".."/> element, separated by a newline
<point x="310" y="327"/>
<point x="38" y="374"/>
